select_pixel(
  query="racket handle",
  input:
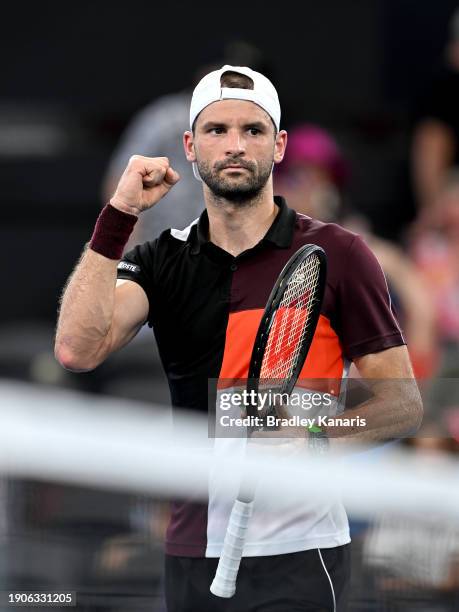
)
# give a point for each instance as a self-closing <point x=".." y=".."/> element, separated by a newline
<point x="224" y="582"/>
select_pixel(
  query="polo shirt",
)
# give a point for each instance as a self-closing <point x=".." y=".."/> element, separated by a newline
<point x="205" y="306"/>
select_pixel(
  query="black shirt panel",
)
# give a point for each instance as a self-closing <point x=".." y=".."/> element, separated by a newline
<point x="189" y="296"/>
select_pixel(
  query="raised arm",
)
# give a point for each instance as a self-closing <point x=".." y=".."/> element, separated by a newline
<point x="97" y="314"/>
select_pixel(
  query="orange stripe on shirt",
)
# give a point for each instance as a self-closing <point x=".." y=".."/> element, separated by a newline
<point x="324" y="360"/>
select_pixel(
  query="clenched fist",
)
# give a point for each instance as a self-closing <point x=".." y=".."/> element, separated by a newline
<point x="144" y="182"/>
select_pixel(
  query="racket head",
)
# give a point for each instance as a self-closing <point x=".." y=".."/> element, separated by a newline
<point x="295" y="303"/>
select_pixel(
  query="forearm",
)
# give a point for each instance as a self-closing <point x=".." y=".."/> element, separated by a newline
<point x="87" y="330"/>
<point x="391" y="414"/>
<point x="86" y="312"/>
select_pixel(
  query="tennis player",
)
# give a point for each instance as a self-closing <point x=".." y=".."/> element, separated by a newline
<point x="203" y="290"/>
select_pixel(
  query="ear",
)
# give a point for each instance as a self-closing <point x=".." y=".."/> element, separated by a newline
<point x="188" y="145"/>
<point x="280" y="146"/>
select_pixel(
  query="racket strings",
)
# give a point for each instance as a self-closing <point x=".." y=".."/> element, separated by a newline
<point x="292" y="321"/>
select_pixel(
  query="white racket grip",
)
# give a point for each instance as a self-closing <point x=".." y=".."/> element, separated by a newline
<point x="224" y="582"/>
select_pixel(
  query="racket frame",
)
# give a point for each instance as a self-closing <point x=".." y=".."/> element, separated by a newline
<point x="224" y="582"/>
<point x="268" y="318"/>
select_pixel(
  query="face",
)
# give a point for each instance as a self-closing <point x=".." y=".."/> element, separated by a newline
<point x="234" y="145"/>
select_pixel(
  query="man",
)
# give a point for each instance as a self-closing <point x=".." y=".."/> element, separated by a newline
<point x="203" y="289"/>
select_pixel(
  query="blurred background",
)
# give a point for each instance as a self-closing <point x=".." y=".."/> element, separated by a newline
<point x="369" y="92"/>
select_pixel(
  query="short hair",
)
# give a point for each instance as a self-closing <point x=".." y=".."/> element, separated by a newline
<point x="236" y="80"/>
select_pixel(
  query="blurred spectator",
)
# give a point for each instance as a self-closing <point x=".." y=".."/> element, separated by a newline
<point x="435" y="252"/>
<point x="313" y="177"/>
<point x="314" y="173"/>
<point x="435" y="147"/>
<point x="157" y="131"/>
<point x="410" y="294"/>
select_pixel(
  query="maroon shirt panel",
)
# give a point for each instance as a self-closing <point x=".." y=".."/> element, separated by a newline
<point x="186" y="534"/>
<point x="356" y="300"/>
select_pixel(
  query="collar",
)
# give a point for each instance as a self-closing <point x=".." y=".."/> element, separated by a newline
<point x="280" y="233"/>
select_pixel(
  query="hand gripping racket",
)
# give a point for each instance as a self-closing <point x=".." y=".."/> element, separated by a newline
<point x="281" y="345"/>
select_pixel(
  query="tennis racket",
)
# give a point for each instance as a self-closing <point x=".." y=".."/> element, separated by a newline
<point x="281" y="345"/>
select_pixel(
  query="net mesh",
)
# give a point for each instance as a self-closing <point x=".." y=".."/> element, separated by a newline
<point x="83" y="482"/>
<point x="291" y="322"/>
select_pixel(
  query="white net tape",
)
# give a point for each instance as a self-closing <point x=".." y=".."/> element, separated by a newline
<point x="72" y="438"/>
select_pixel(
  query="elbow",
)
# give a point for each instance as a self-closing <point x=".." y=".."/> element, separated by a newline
<point x="72" y="362"/>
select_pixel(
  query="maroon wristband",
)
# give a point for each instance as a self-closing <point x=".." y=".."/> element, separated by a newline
<point x="112" y="231"/>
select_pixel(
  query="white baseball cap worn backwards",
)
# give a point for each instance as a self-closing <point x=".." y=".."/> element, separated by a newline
<point x="209" y="90"/>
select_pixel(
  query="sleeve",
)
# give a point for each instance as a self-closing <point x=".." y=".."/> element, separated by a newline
<point x="138" y="265"/>
<point x="366" y="323"/>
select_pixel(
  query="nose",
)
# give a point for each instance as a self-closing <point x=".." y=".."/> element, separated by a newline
<point x="235" y="143"/>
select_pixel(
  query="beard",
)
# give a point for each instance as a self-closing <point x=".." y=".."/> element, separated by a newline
<point x="240" y="190"/>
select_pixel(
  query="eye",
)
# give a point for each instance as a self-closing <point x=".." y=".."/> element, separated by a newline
<point x="254" y="131"/>
<point x="216" y="130"/>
